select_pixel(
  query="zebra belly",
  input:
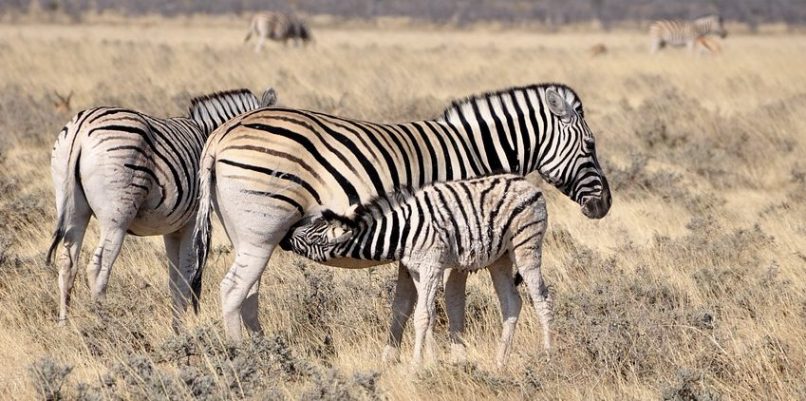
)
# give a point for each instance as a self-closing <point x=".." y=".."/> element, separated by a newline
<point x="157" y="221"/>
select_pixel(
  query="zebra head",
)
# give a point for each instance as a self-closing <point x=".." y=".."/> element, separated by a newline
<point x="316" y="238"/>
<point x="570" y="163"/>
<point x="713" y="23"/>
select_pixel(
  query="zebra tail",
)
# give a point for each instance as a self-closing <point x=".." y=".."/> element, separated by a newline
<point x="203" y="230"/>
<point x="61" y="151"/>
<point x="248" y="35"/>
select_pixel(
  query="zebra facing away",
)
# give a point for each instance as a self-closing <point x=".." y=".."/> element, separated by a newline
<point x="684" y="33"/>
<point x="267" y="169"/>
<point x="441" y="226"/>
<point x="136" y="174"/>
<point x="278" y="27"/>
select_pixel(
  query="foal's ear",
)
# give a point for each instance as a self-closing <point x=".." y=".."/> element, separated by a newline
<point x="340" y="234"/>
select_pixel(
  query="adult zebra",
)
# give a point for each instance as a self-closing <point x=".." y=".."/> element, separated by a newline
<point x="136" y="174"/>
<point x="278" y="27"/>
<point x="439" y="226"/>
<point x="684" y="33"/>
<point x="267" y="169"/>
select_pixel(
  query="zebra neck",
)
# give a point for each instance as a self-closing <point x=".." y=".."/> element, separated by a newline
<point x="493" y="146"/>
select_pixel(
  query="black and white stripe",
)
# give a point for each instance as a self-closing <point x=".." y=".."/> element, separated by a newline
<point x="464" y="225"/>
<point x="266" y="169"/>
<point x="136" y="174"/>
<point x="684" y="33"/>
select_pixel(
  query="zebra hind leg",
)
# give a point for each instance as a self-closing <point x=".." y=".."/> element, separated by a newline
<point x="181" y="259"/>
<point x="100" y="267"/>
<point x="238" y="283"/>
<point x="75" y="228"/>
<point x="510" y="301"/>
<point x="455" y="297"/>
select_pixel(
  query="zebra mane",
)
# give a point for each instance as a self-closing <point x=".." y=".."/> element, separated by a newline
<point x="239" y="99"/>
<point x="458" y="106"/>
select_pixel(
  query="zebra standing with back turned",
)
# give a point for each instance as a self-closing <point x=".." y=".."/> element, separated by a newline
<point x="684" y="33"/>
<point x="136" y="174"/>
<point x="466" y="225"/>
<point x="267" y="169"/>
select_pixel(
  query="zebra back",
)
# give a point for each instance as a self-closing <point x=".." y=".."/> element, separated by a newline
<point x="210" y="111"/>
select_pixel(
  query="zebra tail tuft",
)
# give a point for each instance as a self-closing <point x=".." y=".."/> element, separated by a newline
<point x="58" y="235"/>
<point x="203" y="231"/>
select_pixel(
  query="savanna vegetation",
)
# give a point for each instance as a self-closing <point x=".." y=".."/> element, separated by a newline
<point x="692" y="288"/>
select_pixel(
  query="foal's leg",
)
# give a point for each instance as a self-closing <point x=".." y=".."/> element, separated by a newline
<point x="455" y="285"/>
<point x="402" y="306"/>
<point x="426" y="280"/>
<point x="528" y="261"/>
<point x="510" y="300"/>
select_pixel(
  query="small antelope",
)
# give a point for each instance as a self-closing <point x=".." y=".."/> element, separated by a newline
<point x="62" y="103"/>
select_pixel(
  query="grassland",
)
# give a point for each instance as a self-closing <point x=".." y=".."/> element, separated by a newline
<point x="693" y="287"/>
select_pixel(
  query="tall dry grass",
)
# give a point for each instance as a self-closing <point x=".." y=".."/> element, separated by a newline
<point x="691" y="289"/>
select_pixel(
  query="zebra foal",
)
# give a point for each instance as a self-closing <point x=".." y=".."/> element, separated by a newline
<point x="136" y="174"/>
<point x="465" y="225"/>
<point x="684" y="33"/>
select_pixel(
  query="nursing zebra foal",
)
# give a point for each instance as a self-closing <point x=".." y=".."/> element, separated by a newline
<point x="684" y="33"/>
<point x="136" y="174"/>
<point x="278" y="27"/>
<point x="467" y="225"/>
<point x="264" y="171"/>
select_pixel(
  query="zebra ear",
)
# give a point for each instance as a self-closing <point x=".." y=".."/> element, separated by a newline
<point x="557" y="104"/>
<point x="269" y="98"/>
<point x="340" y="234"/>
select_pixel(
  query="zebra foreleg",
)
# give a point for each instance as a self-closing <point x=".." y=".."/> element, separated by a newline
<point x="426" y="280"/>
<point x="402" y="306"/>
<point x="510" y="301"/>
<point x="455" y="285"/>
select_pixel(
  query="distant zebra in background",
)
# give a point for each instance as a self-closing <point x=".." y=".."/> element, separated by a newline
<point x="467" y="225"/>
<point x="264" y="171"/>
<point x="278" y="27"/>
<point x="684" y="33"/>
<point x="136" y="174"/>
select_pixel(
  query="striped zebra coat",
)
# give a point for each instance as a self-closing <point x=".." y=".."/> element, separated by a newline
<point x="278" y="27"/>
<point x="684" y="33"/>
<point x="463" y="225"/>
<point x="136" y="174"/>
<point x="267" y="169"/>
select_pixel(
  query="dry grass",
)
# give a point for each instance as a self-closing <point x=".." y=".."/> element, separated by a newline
<point x="691" y="289"/>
